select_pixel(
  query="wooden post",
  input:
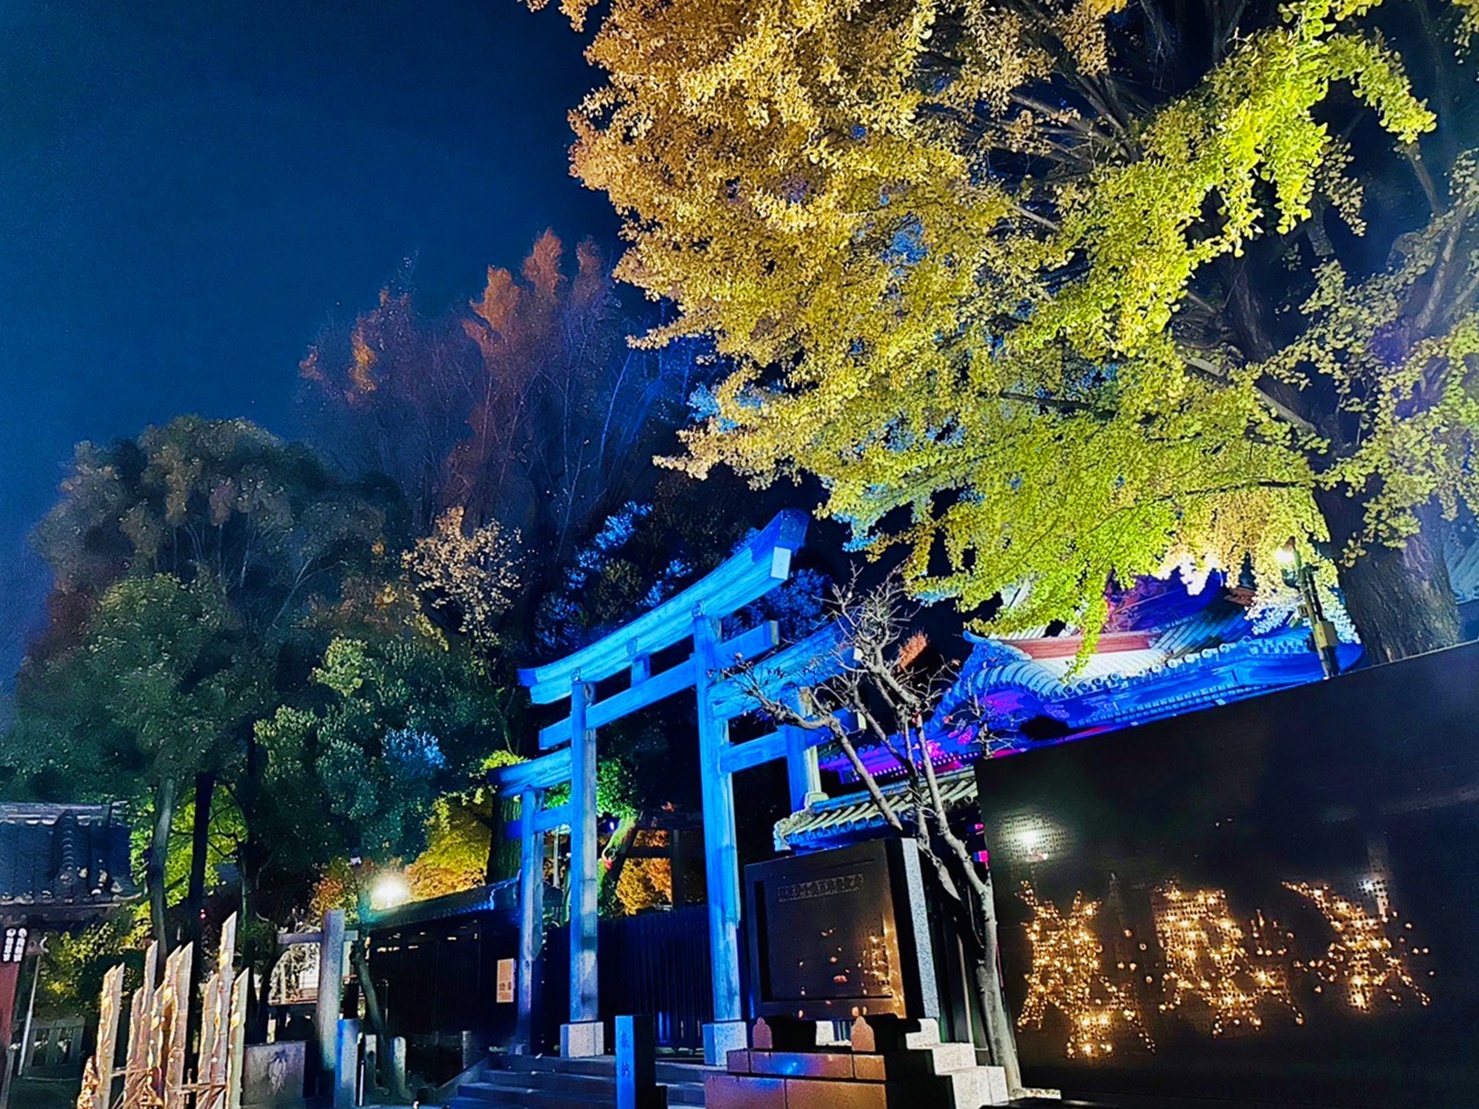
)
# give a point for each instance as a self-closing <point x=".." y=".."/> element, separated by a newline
<point x="531" y="911"/>
<point x="237" y="1054"/>
<point x="175" y="1013"/>
<point x="583" y="1036"/>
<point x="107" y="1046"/>
<point x="721" y="856"/>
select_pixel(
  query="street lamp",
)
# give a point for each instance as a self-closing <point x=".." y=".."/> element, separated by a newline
<point x="389" y="890"/>
<point x="1322" y="631"/>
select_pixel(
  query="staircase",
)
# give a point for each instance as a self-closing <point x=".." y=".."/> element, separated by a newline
<point x="549" y="1082"/>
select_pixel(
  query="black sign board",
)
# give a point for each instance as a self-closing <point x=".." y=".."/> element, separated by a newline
<point x="1273" y="902"/>
<point x="833" y="936"/>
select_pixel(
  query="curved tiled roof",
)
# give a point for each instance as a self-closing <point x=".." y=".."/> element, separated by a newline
<point x="62" y="858"/>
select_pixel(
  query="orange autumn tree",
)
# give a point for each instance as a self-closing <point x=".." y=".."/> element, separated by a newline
<point x="527" y="412"/>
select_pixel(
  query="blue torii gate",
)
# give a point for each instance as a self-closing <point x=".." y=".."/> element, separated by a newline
<point x="754" y="570"/>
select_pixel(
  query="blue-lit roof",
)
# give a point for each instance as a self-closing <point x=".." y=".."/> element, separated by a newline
<point x="1172" y="651"/>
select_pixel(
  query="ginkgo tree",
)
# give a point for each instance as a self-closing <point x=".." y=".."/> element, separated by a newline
<point x="1057" y="295"/>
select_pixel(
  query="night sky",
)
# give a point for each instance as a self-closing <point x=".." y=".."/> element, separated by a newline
<point x="188" y="190"/>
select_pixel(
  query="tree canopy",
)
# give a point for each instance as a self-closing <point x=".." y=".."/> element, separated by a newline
<point x="238" y="620"/>
<point x="1060" y="295"/>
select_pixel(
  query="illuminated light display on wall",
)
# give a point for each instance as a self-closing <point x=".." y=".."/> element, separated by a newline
<point x="1222" y="975"/>
<point x="1068" y="975"/>
<point x="1208" y="961"/>
<point x="1362" y="961"/>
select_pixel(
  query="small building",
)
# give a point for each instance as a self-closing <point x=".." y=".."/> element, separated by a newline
<point x="443" y="971"/>
<point x="61" y="867"/>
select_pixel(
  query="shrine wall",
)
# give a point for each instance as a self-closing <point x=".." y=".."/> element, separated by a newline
<point x="1275" y="900"/>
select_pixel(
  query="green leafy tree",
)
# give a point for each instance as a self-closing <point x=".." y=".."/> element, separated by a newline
<point x="161" y="688"/>
<point x="396" y="724"/>
<point x="281" y="548"/>
<point x="1057" y="295"/>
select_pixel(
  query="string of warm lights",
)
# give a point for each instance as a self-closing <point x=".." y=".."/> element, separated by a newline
<point x="1218" y="973"/>
<point x="1208" y="961"/>
<point x="1067" y="975"/>
<point x="1361" y="958"/>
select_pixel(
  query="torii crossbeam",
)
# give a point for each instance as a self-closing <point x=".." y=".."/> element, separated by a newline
<point x="751" y="572"/>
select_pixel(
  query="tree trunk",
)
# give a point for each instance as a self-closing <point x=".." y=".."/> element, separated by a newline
<point x="1001" y="1038"/>
<point x="154" y="866"/>
<point x="614" y="860"/>
<point x="376" y="1017"/>
<point x="1400" y="600"/>
<point x="503" y="851"/>
<point x="205" y="789"/>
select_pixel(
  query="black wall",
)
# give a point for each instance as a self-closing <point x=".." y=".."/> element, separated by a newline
<point x="1367" y="784"/>
<point x="437" y="979"/>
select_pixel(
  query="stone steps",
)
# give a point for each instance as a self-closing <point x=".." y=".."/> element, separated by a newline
<point x="910" y="1071"/>
<point x="549" y="1082"/>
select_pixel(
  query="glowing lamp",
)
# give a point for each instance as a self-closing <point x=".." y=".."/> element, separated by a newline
<point x="389" y="890"/>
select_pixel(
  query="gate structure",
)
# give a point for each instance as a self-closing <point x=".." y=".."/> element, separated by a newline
<point x="697" y="613"/>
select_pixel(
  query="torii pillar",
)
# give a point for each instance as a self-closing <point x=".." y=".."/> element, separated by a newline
<point x="585" y="1034"/>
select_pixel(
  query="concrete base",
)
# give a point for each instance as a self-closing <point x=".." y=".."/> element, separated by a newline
<point x="582" y="1040"/>
<point x="722" y="1037"/>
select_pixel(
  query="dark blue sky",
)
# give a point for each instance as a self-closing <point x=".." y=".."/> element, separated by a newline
<point x="189" y="189"/>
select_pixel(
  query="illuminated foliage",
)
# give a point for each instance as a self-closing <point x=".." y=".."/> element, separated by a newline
<point x="525" y="409"/>
<point x="400" y="722"/>
<point x="163" y="686"/>
<point x="475" y="575"/>
<point x="1019" y="282"/>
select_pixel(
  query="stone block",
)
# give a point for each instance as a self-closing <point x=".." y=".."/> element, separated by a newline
<point x="978" y="1086"/>
<point x="926" y="1035"/>
<point x="813" y="1093"/>
<point x="869" y="1068"/>
<point x="802" y="1064"/>
<point x="272" y="1075"/>
<point x="737" y="1062"/>
<point x="935" y="1059"/>
<point x="735" y="1091"/>
<point x="722" y="1037"/>
<point x="582" y="1040"/>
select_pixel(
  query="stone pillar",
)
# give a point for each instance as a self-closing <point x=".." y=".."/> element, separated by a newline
<point x="721" y="856"/>
<point x="583" y="1036"/>
<point x="531" y="913"/>
<point x="636" y="1064"/>
<point x="330" y="988"/>
<point x="346" y="1064"/>
<point x="397" y="1063"/>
